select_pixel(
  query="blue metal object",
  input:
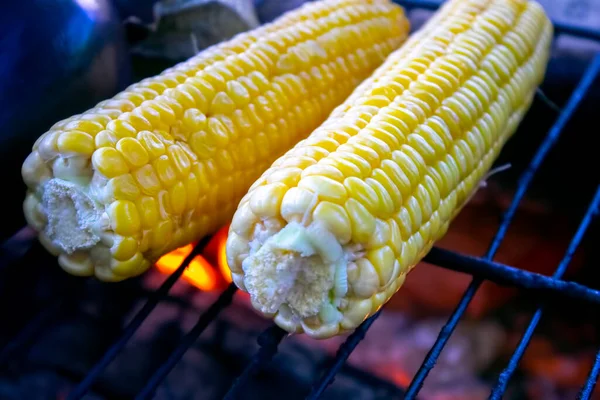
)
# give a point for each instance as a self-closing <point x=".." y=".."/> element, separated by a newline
<point x="504" y="377"/>
<point x="592" y="379"/>
<point x="57" y="58"/>
<point x="506" y="275"/>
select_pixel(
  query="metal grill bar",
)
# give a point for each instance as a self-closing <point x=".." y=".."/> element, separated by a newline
<point x="340" y="358"/>
<point x="574" y="101"/>
<point x="85" y="385"/>
<point x="504" y="377"/>
<point x="585" y="33"/>
<point x="269" y="342"/>
<point x="187" y="341"/>
<point x="507" y="275"/>
<point x="592" y="379"/>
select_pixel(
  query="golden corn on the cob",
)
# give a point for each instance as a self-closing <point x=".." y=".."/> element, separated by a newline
<point x="328" y="234"/>
<point x="167" y="160"/>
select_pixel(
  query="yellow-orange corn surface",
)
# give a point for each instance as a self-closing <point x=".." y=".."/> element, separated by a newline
<point x="328" y="234"/>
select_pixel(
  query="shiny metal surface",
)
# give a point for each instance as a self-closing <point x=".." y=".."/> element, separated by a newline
<point x="57" y="58"/>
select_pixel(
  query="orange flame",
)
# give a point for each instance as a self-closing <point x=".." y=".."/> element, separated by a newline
<point x="221" y="236"/>
<point x="201" y="272"/>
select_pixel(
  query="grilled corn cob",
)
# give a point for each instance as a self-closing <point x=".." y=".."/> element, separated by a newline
<point x="328" y="234"/>
<point x="166" y="161"/>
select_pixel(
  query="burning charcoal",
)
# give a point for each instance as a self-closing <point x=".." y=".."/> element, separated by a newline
<point x="461" y="390"/>
<point x="472" y="347"/>
<point x="396" y="346"/>
<point x="544" y="389"/>
<point x="544" y="360"/>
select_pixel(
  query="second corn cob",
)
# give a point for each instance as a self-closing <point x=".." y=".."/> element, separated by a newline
<point x="328" y="234"/>
<point x="166" y="161"/>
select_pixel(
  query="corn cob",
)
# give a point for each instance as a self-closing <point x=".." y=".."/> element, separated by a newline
<point x="166" y="161"/>
<point x="328" y="234"/>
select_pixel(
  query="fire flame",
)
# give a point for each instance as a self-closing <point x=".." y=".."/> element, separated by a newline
<point x="208" y="271"/>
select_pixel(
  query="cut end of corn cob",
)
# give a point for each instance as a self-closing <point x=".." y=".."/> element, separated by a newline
<point x="296" y="266"/>
<point x="74" y="219"/>
<point x="328" y="234"/>
<point x="166" y="161"/>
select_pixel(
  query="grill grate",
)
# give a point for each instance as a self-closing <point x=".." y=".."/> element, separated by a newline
<point x="482" y="268"/>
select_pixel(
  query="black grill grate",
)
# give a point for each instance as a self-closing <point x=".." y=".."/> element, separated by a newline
<point x="482" y="268"/>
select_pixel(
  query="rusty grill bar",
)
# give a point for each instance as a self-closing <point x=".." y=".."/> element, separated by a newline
<point x="481" y="268"/>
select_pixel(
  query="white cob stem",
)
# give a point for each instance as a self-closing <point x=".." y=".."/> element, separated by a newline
<point x="296" y="268"/>
<point x="74" y="219"/>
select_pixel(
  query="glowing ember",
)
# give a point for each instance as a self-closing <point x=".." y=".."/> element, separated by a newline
<point x="221" y="238"/>
<point x="207" y="271"/>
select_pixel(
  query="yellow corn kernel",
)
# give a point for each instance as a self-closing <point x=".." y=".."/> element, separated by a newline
<point x="105" y="139"/>
<point x="194" y="120"/>
<point x="178" y="199"/>
<point x="363" y="278"/>
<point x="85" y="125"/>
<point x="361" y="191"/>
<point x="218" y="134"/>
<point x="325" y="188"/>
<point x="137" y="120"/>
<point x="127" y="267"/>
<point x="165" y="171"/>
<point x="335" y="219"/>
<point x="238" y="93"/>
<point x="161" y="235"/>
<point x="180" y="160"/>
<point x="147" y="179"/>
<point x="121" y="128"/>
<point x="76" y="142"/>
<point x="148" y="209"/>
<point x="124" y="217"/>
<point x="133" y="152"/>
<point x="400" y="157"/>
<point x="193" y="189"/>
<point x="123" y="187"/>
<point x="109" y="162"/>
<point x="166" y="161"/>
<point x="267" y="198"/>
<point x="363" y="222"/>
<point x="222" y="104"/>
<point x="124" y="248"/>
